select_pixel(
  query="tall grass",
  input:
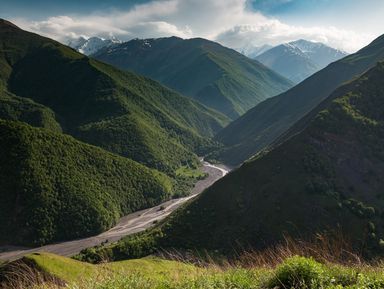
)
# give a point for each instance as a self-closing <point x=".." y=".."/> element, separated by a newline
<point x="320" y="263"/>
<point x="335" y="249"/>
<point x="322" y="248"/>
<point x="21" y="275"/>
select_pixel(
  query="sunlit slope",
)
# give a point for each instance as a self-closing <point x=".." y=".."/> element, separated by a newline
<point x="53" y="187"/>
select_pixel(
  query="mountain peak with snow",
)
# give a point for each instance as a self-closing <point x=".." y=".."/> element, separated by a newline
<point x="299" y="59"/>
<point x="93" y="44"/>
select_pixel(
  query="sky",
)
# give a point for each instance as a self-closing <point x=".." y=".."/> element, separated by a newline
<point x="240" y="24"/>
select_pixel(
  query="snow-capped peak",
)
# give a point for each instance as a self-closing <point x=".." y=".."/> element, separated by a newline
<point x="91" y="45"/>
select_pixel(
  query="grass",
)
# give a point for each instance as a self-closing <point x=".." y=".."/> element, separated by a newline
<point x="187" y="172"/>
<point x="44" y="270"/>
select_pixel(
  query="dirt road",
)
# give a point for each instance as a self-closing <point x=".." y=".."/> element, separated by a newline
<point x="127" y="225"/>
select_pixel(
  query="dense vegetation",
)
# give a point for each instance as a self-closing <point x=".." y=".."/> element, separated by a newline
<point x="260" y="126"/>
<point x="26" y="110"/>
<point x="96" y="103"/>
<point x="53" y="187"/>
<point x="218" y="77"/>
<point x="42" y="270"/>
<point x="324" y="178"/>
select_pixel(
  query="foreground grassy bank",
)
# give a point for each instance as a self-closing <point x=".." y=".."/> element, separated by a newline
<point x="51" y="271"/>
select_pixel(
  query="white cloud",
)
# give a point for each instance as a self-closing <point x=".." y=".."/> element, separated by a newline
<point x="227" y="21"/>
<point x="274" y="32"/>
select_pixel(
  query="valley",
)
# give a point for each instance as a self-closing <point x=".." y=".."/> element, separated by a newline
<point x="130" y="224"/>
<point x="192" y="144"/>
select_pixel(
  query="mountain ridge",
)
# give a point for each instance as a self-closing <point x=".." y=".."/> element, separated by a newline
<point x="101" y="100"/>
<point x="264" y="123"/>
<point x="216" y="76"/>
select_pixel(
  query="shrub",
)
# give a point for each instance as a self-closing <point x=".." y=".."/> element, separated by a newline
<point x="299" y="273"/>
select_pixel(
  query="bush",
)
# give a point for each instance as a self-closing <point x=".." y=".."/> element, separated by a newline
<point x="299" y="273"/>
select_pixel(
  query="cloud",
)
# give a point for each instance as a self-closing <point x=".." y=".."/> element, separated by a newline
<point x="274" y="32"/>
<point x="142" y="21"/>
<point x="229" y="22"/>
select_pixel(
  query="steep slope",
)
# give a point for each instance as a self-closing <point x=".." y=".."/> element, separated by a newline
<point x="326" y="177"/>
<point x="119" y="111"/>
<point x="218" y="77"/>
<point x="53" y="187"/>
<point x="299" y="59"/>
<point x="260" y="126"/>
<point x="26" y="110"/>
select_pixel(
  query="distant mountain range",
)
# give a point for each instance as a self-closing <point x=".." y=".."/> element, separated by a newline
<point x="91" y="45"/>
<point x="263" y="124"/>
<point x="322" y="178"/>
<point x="143" y="131"/>
<point x="216" y="76"/>
<point x="299" y="59"/>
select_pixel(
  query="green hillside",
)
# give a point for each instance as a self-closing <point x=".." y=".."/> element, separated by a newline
<point x="43" y="270"/>
<point x="26" y="110"/>
<point x="216" y="76"/>
<point x="325" y="178"/>
<point x="260" y="126"/>
<point x="53" y="187"/>
<point x="96" y="103"/>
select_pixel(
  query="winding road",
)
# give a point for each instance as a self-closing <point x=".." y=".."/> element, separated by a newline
<point x="130" y="224"/>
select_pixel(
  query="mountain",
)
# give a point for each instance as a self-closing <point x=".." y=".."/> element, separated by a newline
<point x="299" y="59"/>
<point x="53" y="187"/>
<point x="48" y="84"/>
<point x="216" y="76"/>
<point x="325" y="178"/>
<point x="92" y="44"/>
<point x="54" y="100"/>
<point x="260" y="126"/>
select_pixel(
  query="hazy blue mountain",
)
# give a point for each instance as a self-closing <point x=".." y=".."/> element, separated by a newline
<point x="299" y="59"/>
